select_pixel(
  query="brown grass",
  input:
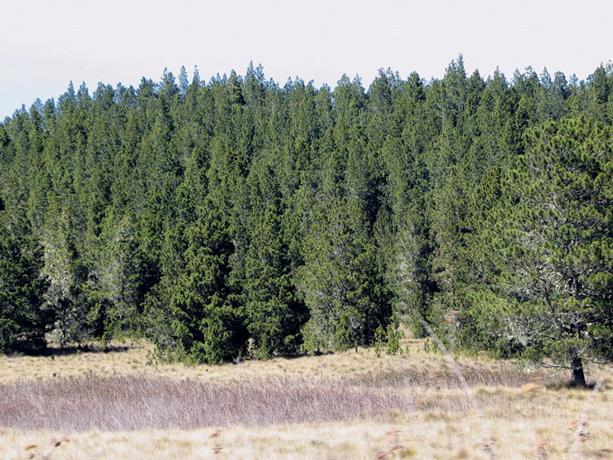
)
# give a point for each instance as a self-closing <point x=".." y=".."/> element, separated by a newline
<point x="131" y="403"/>
<point x="350" y="405"/>
<point x="136" y="359"/>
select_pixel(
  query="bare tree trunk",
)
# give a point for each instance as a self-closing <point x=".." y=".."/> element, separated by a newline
<point x="577" y="366"/>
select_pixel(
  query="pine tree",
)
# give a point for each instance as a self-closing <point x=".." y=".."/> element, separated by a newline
<point x="64" y="274"/>
<point x="338" y="284"/>
<point x="547" y="251"/>
<point x="192" y="314"/>
<point x="274" y="310"/>
<point x="240" y="216"/>
<point x="406" y="248"/>
<point x="24" y="320"/>
<point x="123" y="278"/>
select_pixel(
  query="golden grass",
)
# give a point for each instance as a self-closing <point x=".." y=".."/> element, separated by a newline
<point x="552" y="434"/>
<point x="509" y="413"/>
<point x="137" y="359"/>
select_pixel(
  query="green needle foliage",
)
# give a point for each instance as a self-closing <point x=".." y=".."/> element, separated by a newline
<point x="23" y="316"/>
<point x="546" y="249"/>
<point x="239" y="217"/>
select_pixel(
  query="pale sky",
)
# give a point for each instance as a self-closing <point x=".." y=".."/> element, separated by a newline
<point x="46" y="43"/>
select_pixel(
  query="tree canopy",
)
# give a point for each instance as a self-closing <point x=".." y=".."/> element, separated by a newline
<point x="242" y="217"/>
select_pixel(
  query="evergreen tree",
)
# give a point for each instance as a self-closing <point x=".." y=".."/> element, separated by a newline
<point x="274" y="310"/>
<point x="23" y="318"/>
<point x="547" y="251"/>
<point x="65" y="274"/>
<point x="193" y="316"/>
<point x="239" y="216"/>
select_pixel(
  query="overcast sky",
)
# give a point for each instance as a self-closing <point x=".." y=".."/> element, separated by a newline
<point x="46" y="43"/>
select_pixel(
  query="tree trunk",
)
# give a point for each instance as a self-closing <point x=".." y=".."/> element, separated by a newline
<point x="577" y="366"/>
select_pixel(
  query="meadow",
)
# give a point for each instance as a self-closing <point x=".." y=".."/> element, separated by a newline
<point x="122" y="403"/>
<point x="240" y="216"/>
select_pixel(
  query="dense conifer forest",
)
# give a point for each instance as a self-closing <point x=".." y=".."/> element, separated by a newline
<point x="243" y="217"/>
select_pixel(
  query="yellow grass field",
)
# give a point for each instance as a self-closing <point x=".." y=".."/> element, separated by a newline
<point x="505" y="412"/>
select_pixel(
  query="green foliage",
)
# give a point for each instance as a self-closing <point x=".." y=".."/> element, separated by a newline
<point x="65" y="272"/>
<point x="379" y="340"/>
<point x="388" y="339"/>
<point x="394" y="335"/>
<point x="339" y="282"/>
<point x="23" y="317"/>
<point x="239" y="217"/>
<point x="195" y="315"/>
<point x="545" y="250"/>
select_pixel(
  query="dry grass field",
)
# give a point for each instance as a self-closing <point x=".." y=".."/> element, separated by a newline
<point x="122" y="404"/>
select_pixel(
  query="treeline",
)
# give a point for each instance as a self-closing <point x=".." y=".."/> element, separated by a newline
<point x="240" y="216"/>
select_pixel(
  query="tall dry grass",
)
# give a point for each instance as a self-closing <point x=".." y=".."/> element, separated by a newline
<point x="133" y="402"/>
<point x="121" y="405"/>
